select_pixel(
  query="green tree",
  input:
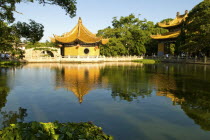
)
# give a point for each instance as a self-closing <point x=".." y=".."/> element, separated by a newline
<point x="113" y="48"/>
<point x="167" y="20"/>
<point x="32" y="32"/>
<point x="196" y="30"/>
<point x="8" y="7"/>
<point x="130" y="36"/>
<point x="123" y="37"/>
<point x="7" y="37"/>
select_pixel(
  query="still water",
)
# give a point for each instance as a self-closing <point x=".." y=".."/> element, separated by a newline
<point x="130" y="101"/>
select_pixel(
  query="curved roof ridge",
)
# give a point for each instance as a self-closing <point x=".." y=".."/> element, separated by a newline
<point x="175" y="22"/>
<point x="90" y="33"/>
<point x="71" y="32"/>
<point x="79" y="32"/>
<point x="167" y="35"/>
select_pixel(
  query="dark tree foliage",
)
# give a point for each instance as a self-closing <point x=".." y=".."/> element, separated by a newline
<point x="8" y="7"/>
<point x="12" y="117"/>
<point x="33" y="31"/>
<point x="6" y="36"/>
<point x="195" y="35"/>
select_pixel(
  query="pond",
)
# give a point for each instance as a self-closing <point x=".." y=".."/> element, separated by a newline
<point x="128" y="100"/>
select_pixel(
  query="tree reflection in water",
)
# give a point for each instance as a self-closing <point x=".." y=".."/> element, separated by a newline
<point x="4" y="89"/>
<point x="186" y="85"/>
<point x="127" y="82"/>
<point x="8" y="117"/>
<point x="13" y="117"/>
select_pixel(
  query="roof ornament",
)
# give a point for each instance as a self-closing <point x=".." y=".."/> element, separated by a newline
<point x="186" y="12"/>
<point x="177" y="14"/>
<point x="80" y="20"/>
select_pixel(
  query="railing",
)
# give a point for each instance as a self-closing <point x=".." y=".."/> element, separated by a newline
<point x="82" y="59"/>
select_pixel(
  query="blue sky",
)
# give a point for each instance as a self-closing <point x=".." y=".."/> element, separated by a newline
<point x="98" y="14"/>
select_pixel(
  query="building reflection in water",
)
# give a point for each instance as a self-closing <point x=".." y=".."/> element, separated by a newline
<point x="80" y="79"/>
<point x="164" y="84"/>
<point x="180" y="84"/>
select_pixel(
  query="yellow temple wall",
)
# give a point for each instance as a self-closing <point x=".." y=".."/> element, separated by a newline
<point x="92" y="51"/>
<point x="75" y="51"/>
<point x="70" y="51"/>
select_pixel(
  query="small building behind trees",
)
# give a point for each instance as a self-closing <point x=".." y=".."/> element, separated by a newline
<point x="166" y="40"/>
<point x="79" y="42"/>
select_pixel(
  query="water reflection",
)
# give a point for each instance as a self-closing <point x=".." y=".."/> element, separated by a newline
<point x="4" y="89"/>
<point x="127" y="82"/>
<point x="164" y="84"/>
<point x="80" y="79"/>
<point x="8" y="117"/>
<point x="185" y="86"/>
<point x="121" y="79"/>
<point x="12" y="117"/>
<point x="129" y="95"/>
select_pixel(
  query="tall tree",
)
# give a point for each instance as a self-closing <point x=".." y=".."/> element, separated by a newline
<point x="196" y="31"/>
<point x="125" y="36"/>
<point x="7" y="36"/>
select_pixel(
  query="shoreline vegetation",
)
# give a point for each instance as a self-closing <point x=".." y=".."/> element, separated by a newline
<point x="7" y="63"/>
<point x="147" y="61"/>
<point x="54" y="131"/>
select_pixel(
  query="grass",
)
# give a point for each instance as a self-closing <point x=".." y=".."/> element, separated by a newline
<point x="9" y="63"/>
<point x="147" y="61"/>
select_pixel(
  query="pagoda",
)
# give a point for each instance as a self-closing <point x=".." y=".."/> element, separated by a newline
<point x="174" y="28"/>
<point x="79" y="42"/>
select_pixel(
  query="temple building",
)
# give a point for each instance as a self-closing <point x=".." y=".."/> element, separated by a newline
<point x="174" y="28"/>
<point x="79" y="42"/>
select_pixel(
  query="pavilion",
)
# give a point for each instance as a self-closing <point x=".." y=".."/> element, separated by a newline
<point x="79" y="42"/>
